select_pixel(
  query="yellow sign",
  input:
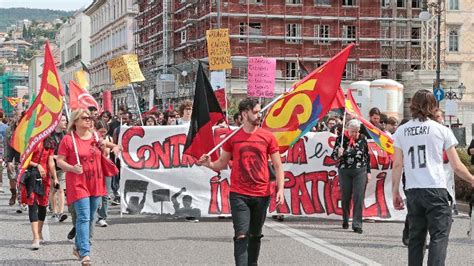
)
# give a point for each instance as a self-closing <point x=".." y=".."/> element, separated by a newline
<point x="125" y="70"/>
<point x="218" y="49"/>
<point x="81" y="79"/>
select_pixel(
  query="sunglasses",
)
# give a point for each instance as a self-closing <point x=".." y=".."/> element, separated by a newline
<point x="86" y="118"/>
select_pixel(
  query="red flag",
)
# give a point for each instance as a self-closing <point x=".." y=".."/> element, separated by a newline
<point x="107" y="104"/>
<point x="43" y="116"/>
<point x="339" y="100"/>
<point x="310" y="99"/>
<point x="147" y="113"/>
<point x="206" y="114"/>
<point x="80" y="98"/>
<point x="382" y="140"/>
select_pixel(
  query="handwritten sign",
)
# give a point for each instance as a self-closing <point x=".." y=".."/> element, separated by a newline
<point x="261" y="77"/>
<point x="218" y="49"/>
<point x="125" y="70"/>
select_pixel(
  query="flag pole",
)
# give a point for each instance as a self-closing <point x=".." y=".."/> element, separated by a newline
<point x="343" y="122"/>
<point x="66" y="109"/>
<point x="136" y="102"/>
<point x="236" y="130"/>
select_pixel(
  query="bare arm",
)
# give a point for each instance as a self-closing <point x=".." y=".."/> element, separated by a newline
<point x="61" y="160"/>
<point x="52" y="168"/>
<point x="218" y="164"/>
<point x="458" y="167"/>
<point x="396" y="176"/>
<point x="280" y="176"/>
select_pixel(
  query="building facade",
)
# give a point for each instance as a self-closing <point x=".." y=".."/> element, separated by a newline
<point x="112" y="27"/>
<point x="74" y="46"/>
<point x="459" y="47"/>
<point x="172" y="34"/>
<point x="35" y="71"/>
<point x="14" y="75"/>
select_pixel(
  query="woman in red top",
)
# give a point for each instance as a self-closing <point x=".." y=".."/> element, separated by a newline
<point x="85" y="184"/>
<point x="42" y="159"/>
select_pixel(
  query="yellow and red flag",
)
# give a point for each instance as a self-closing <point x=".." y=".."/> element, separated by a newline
<point x="14" y="101"/>
<point x="43" y="116"/>
<point x="309" y="100"/>
<point x="384" y="141"/>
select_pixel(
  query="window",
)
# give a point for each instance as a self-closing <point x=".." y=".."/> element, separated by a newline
<point x="401" y="33"/>
<point x="416" y="3"/>
<point x="183" y="36"/>
<point x="350" y="72"/>
<point x="453" y="41"/>
<point x="384" y="70"/>
<point x="253" y="29"/>
<point x="401" y="3"/>
<point x="349" y="2"/>
<point x="415" y="36"/>
<point x="349" y="33"/>
<point x="322" y="2"/>
<point x="453" y="5"/>
<point x="293" y="2"/>
<point x="385" y="32"/>
<point x="293" y="33"/>
<point x="321" y="32"/>
<point x="251" y="1"/>
<point x="291" y="70"/>
<point x="385" y="3"/>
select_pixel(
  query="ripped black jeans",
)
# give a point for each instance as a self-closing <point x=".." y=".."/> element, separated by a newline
<point x="248" y="216"/>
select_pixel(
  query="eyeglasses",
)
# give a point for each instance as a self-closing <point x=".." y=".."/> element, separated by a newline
<point x="86" y="118"/>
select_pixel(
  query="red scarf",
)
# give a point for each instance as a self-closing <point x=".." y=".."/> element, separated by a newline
<point x="352" y="141"/>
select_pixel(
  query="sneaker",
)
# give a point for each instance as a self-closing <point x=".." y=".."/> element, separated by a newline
<point x="71" y="233"/>
<point x="55" y="218"/>
<point x="62" y="217"/>
<point x="345" y="225"/>
<point x="116" y="201"/>
<point x="358" y="230"/>
<point x="101" y="223"/>
<point x="36" y="244"/>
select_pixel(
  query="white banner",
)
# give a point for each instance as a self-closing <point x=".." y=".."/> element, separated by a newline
<point x="157" y="178"/>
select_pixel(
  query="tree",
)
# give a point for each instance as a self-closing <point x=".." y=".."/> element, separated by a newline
<point x="24" y="32"/>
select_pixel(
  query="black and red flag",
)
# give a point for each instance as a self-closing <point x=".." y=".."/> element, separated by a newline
<point x="206" y="114"/>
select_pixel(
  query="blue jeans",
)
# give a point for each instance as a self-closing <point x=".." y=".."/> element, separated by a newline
<point x="85" y="210"/>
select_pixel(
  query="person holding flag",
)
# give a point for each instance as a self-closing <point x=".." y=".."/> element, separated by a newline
<point x="352" y="151"/>
<point x="79" y="155"/>
<point x="35" y="190"/>
<point x="250" y="186"/>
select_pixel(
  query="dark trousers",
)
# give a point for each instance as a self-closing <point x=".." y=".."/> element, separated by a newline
<point x="353" y="183"/>
<point x="115" y="184"/>
<point x="248" y="216"/>
<point x="428" y="211"/>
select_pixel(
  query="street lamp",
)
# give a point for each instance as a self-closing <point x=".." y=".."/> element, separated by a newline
<point x="425" y="16"/>
<point x="452" y="95"/>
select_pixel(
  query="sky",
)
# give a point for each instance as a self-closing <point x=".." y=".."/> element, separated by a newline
<point x="67" y="5"/>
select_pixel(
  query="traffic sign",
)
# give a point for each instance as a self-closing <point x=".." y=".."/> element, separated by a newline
<point x="439" y="94"/>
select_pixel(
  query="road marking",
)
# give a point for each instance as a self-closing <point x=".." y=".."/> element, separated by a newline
<point x="336" y="252"/>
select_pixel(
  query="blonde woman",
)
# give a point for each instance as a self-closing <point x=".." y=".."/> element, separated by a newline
<point x="84" y="178"/>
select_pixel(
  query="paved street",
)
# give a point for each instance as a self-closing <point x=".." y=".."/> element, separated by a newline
<point x="166" y="241"/>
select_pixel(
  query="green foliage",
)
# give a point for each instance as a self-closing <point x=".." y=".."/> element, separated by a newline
<point x="9" y="16"/>
<point x="463" y="189"/>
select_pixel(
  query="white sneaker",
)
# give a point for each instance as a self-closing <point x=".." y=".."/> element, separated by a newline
<point x="102" y="223"/>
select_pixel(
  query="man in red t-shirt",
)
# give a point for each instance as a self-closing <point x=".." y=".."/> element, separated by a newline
<point x="249" y="197"/>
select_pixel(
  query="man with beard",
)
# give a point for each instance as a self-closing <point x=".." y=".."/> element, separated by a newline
<point x="249" y="196"/>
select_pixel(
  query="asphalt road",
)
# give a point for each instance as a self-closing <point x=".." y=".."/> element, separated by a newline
<point x="132" y="240"/>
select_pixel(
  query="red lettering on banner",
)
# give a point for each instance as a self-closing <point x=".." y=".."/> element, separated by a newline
<point x="297" y="153"/>
<point x="328" y="161"/>
<point x="336" y="196"/>
<point x="380" y="207"/>
<point x="379" y="157"/>
<point x="222" y="188"/>
<point x="166" y="154"/>
<point x="315" y="178"/>
<point x="282" y="208"/>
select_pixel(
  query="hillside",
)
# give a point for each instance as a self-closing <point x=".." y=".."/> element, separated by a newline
<point x="11" y="15"/>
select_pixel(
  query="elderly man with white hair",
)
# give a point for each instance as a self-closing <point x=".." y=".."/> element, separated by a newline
<point x="354" y="172"/>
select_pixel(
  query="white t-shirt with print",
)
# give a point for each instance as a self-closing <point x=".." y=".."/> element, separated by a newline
<point x="422" y="144"/>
